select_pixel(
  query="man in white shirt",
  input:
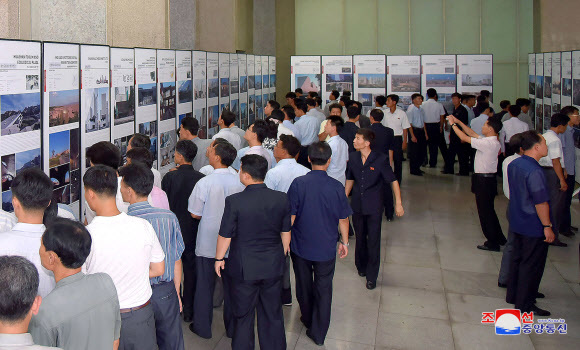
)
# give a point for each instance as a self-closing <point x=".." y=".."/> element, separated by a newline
<point x="188" y="131"/>
<point x="308" y="124"/>
<point x="140" y="140"/>
<point x="380" y="102"/>
<point x="555" y="172"/>
<point x="511" y="127"/>
<point x="335" y="110"/>
<point x="7" y="221"/>
<point x="333" y="98"/>
<point x="289" y="119"/>
<point x="277" y="116"/>
<point x="484" y="181"/>
<point x="434" y="123"/>
<point x="31" y="195"/>
<point x="311" y="105"/>
<point x="206" y="204"/>
<point x="337" y="167"/>
<point x="397" y="120"/>
<point x="418" y="146"/>
<point x="128" y="250"/>
<point x="255" y="135"/>
<point x="524" y="104"/>
<point x="225" y="121"/>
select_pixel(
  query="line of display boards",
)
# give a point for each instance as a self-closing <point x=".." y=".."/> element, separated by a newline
<point x="367" y="76"/>
<point x="58" y="99"/>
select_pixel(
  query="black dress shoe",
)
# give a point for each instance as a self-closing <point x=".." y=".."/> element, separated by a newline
<point x="204" y="337"/>
<point x="540" y="295"/>
<point x="314" y="340"/>
<point x="362" y="274"/>
<point x="389" y="218"/>
<point x="502" y="285"/>
<point x="558" y="243"/>
<point x="187" y="318"/>
<point x="540" y="312"/>
<point x="573" y="228"/>
<point x="567" y="234"/>
<point x="371" y="285"/>
<point x="491" y="249"/>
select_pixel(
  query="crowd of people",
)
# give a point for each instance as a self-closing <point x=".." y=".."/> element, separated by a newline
<point x="224" y="225"/>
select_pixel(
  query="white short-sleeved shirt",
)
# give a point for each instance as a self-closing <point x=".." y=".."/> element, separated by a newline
<point x="433" y="111"/>
<point x="259" y="150"/>
<point x="123" y="247"/>
<point x="283" y="130"/>
<point x="511" y="127"/>
<point x="200" y="159"/>
<point x="280" y="177"/>
<point x="478" y="122"/>
<point x="230" y="136"/>
<point x="554" y="149"/>
<point x="7" y="221"/>
<point x="397" y="121"/>
<point x="504" y="166"/>
<point x="486" y="154"/>
<point x="207" y="200"/>
<point x="383" y="108"/>
<point x="156" y="177"/>
<point x="24" y="240"/>
<point x="208" y="169"/>
<point x="338" y="159"/>
<point x="307" y="128"/>
<point x="241" y="133"/>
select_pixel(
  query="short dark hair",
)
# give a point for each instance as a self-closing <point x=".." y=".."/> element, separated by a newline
<point x="333" y="106"/>
<point x="336" y="121"/>
<point x="480" y="99"/>
<point x="106" y="153"/>
<point x="357" y="104"/>
<point x="143" y="155"/>
<point x="274" y="104"/>
<point x="18" y="288"/>
<point x="226" y="151"/>
<point x="393" y="97"/>
<point x="261" y="129"/>
<point x="319" y="153"/>
<point x="335" y="93"/>
<point x="482" y="106"/>
<point x="228" y="117"/>
<point x="278" y="115"/>
<point x="102" y="179"/>
<point x="504" y="104"/>
<point x="190" y="124"/>
<point x="70" y="240"/>
<point x="289" y="110"/>
<point x="352" y="112"/>
<point x="431" y="93"/>
<point x="516" y="142"/>
<point x="33" y="189"/>
<point x="298" y="91"/>
<point x="457" y="94"/>
<point x="291" y="95"/>
<point x="568" y="110"/>
<point x="467" y="97"/>
<point x="312" y="94"/>
<point x="515" y="110"/>
<point x="559" y="119"/>
<point x="377" y="114"/>
<point x="290" y="144"/>
<point x="414" y="96"/>
<point x="381" y="99"/>
<point x="138" y="177"/>
<point x="523" y="102"/>
<point x="529" y="139"/>
<point x="495" y="124"/>
<point x="187" y="149"/>
<point x="346" y="93"/>
<point x="310" y="102"/>
<point x="367" y="134"/>
<point x="485" y="93"/>
<point x="318" y="100"/>
<point x="254" y="165"/>
<point x="301" y="105"/>
<point x="344" y="99"/>
<point x="141" y="140"/>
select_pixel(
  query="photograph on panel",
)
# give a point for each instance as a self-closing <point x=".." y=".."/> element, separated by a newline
<point x="20" y="113"/>
<point x="63" y="107"/>
<point x="243" y="84"/>
<point x="224" y="87"/>
<point x="124" y="104"/>
<point x="265" y="81"/>
<point x="566" y="87"/>
<point x="234" y="86"/>
<point x="96" y="109"/>
<point x="340" y="82"/>
<point x="59" y="148"/>
<point x="75" y="144"/>
<point x="257" y="82"/>
<point x="405" y="82"/>
<point x="371" y="81"/>
<point x="576" y="97"/>
<point x="273" y="80"/>
<point x="476" y="80"/>
<point x="212" y="119"/>
<point x="440" y="80"/>
<point x="167" y="140"/>
<point x="235" y="107"/>
<point x="308" y="82"/>
<point x="200" y="86"/>
<point x="532" y="84"/>
<point x="213" y="88"/>
<point x="185" y="91"/>
<point x="167" y="101"/>
<point x="147" y="94"/>
<point x="539" y="86"/>
<point x="251" y="82"/>
<point x="548" y="87"/>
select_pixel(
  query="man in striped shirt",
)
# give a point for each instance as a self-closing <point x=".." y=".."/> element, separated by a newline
<point x="136" y="185"/>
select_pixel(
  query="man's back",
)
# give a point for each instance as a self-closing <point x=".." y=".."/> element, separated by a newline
<point x="21" y="341"/>
<point x="307" y="129"/>
<point x="200" y="159"/>
<point x="337" y="167"/>
<point x="348" y="133"/>
<point x="82" y="312"/>
<point x="433" y="111"/>
<point x="280" y="177"/>
<point x="230" y="136"/>
<point x="384" y="137"/>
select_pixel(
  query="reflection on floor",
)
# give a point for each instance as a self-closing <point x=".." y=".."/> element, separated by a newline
<point x="434" y="284"/>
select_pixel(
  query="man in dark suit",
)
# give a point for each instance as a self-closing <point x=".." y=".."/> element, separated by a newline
<point x="384" y="143"/>
<point x="178" y="185"/>
<point x="363" y="120"/>
<point x="349" y="129"/>
<point x="456" y="146"/>
<point x="257" y="255"/>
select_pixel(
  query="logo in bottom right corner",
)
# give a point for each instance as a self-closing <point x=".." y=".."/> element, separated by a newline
<point x="514" y="322"/>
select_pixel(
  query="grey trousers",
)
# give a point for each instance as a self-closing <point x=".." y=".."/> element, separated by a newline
<point x="138" y="330"/>
<point x="557" y="199"/>
<point x="508" y="249"/>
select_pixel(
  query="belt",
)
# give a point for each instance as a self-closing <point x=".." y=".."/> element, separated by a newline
<point x="420" y="128"/>
<point x="484" y="174"/>
<point x="547" y="167"/>
<point x="131" y="309"/>
<point x="162" y="283"/>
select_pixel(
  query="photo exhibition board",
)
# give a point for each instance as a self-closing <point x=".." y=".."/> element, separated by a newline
<point x="369" y="79"/>
<point x="547" y="100"/>
<point x="167" y="109"/>
<point x="184" y="77"/>
<point x="305" y="73"/>
<point x="403" y="78"/>
<point x="235" y="86"/>
<point x="20" y="106"/>
<point x="258" y="87"/>
<point x="224" y="74"/>
<point x="250" y="65"/>
<point x="566" y="73"/>
<point x="200" y="84"/>
<point x="95" y="101"/>
<point x="474" y="73"/>
<point x="60" y="122"/>
<point x="265" y="83"/>
<point x="147" y="103"/>
<point x="243" y="97"/>
<point x="213" y="94"/>
<point x="532" y="87"/>
<point x="438" y="72"/>
<point x="272" y="67"/>
<point x="122" y="98"/>
<point x="336" y="75"/>
<point x="539" y="106"/>
<point x="576" y="101"/>
<point x="556" y="81"/>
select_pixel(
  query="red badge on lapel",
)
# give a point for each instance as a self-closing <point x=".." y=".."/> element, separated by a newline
<point x="372" y="168"/>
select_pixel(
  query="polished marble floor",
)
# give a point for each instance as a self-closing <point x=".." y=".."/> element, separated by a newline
<point x="434" y="284"/>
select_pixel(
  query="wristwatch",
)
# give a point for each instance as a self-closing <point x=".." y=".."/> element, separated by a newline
<point x="346" y="244"/>
<point x="216" y="259"/>
<point x="454" y="124"/>
<point x="548" y="225"/>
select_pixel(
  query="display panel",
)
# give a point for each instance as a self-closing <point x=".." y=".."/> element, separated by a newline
<point x="272" y="65"/>
<point x="438" y="72"/>
<point x="184" y="77"/>
<point x="532" y="87"/>
<point x="265" y="83"/>
<point x="167" y="108"/>
<point x="403" y="78"/>
<point x="234" y="86"/>
<point x="474" y="73"/>
<point x="576" y="78"/>
<point x="122" y="97"/>
<point x="147" y="103"/>
<point x="243" y="96"/>
<point x="539" y="106"/>
<point x="369" y="79"/>
<point x="336" y="75"/>
<point x="251" y="59"/>
<point x="258" y="87"/>
<point x="566" y="73"/>
<point x="20" y="107"/>
<point x="213" y="94"/>
<point x="200" y="83"/>
<point x="306" y="73"/>
<point x="60" y="122"/>
<point x="547" y="102"/>
<point x="224" y="74"/>
<point x="556" y="81"/>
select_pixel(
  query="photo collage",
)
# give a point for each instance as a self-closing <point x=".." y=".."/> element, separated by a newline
<point x="124" y="104"/>
<point x="64" y="164"/>
<point x="20" y="113"/>
<point x="12" y="165"/>
<point x="150" y="129"/>
<point x="96" y="109"/>
<point x="167" y="142"/>
<point x="63" y="107"/>
<point x="167" y="102"/>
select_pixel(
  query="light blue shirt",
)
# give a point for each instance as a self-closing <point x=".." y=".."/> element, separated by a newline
<point x="318" y="115"/>
<point x="568" y="149"/>
<point x="478" y="123"/>
<point x="291" y="126"/>
<point x="280" y="177"/>
<point x="416" y="116"/>
<point x="470" y="113"/>
<point x="338" y="159"/>
<point x="208" y="200"/>
<point x="259" y="150"/>
<point x="308" y="127"/>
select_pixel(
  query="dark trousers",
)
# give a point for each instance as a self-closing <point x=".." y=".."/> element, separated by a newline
<point x="417" y="150"/>
<point x="263" y="296"/>
<point x="368" y="244"/>
<point x="286" y="284"/>
<point x="485" y="190"/>
<point x="388" y="201"/>
<point x="461" y="150"/>
<point x="314" y="293"/>
<point x="188" y="262"/>
<point x="436" y="141"/>
<point x="203" y="301"/>
<point x="506" y="257"/>
<point x="557" y="199"/>
<point x="398" y="157"/>
<point x="566" y="222"/>
<point x="138" y="330"/>
<point x="167" y="322"/>
<point x="526" y="270"/>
